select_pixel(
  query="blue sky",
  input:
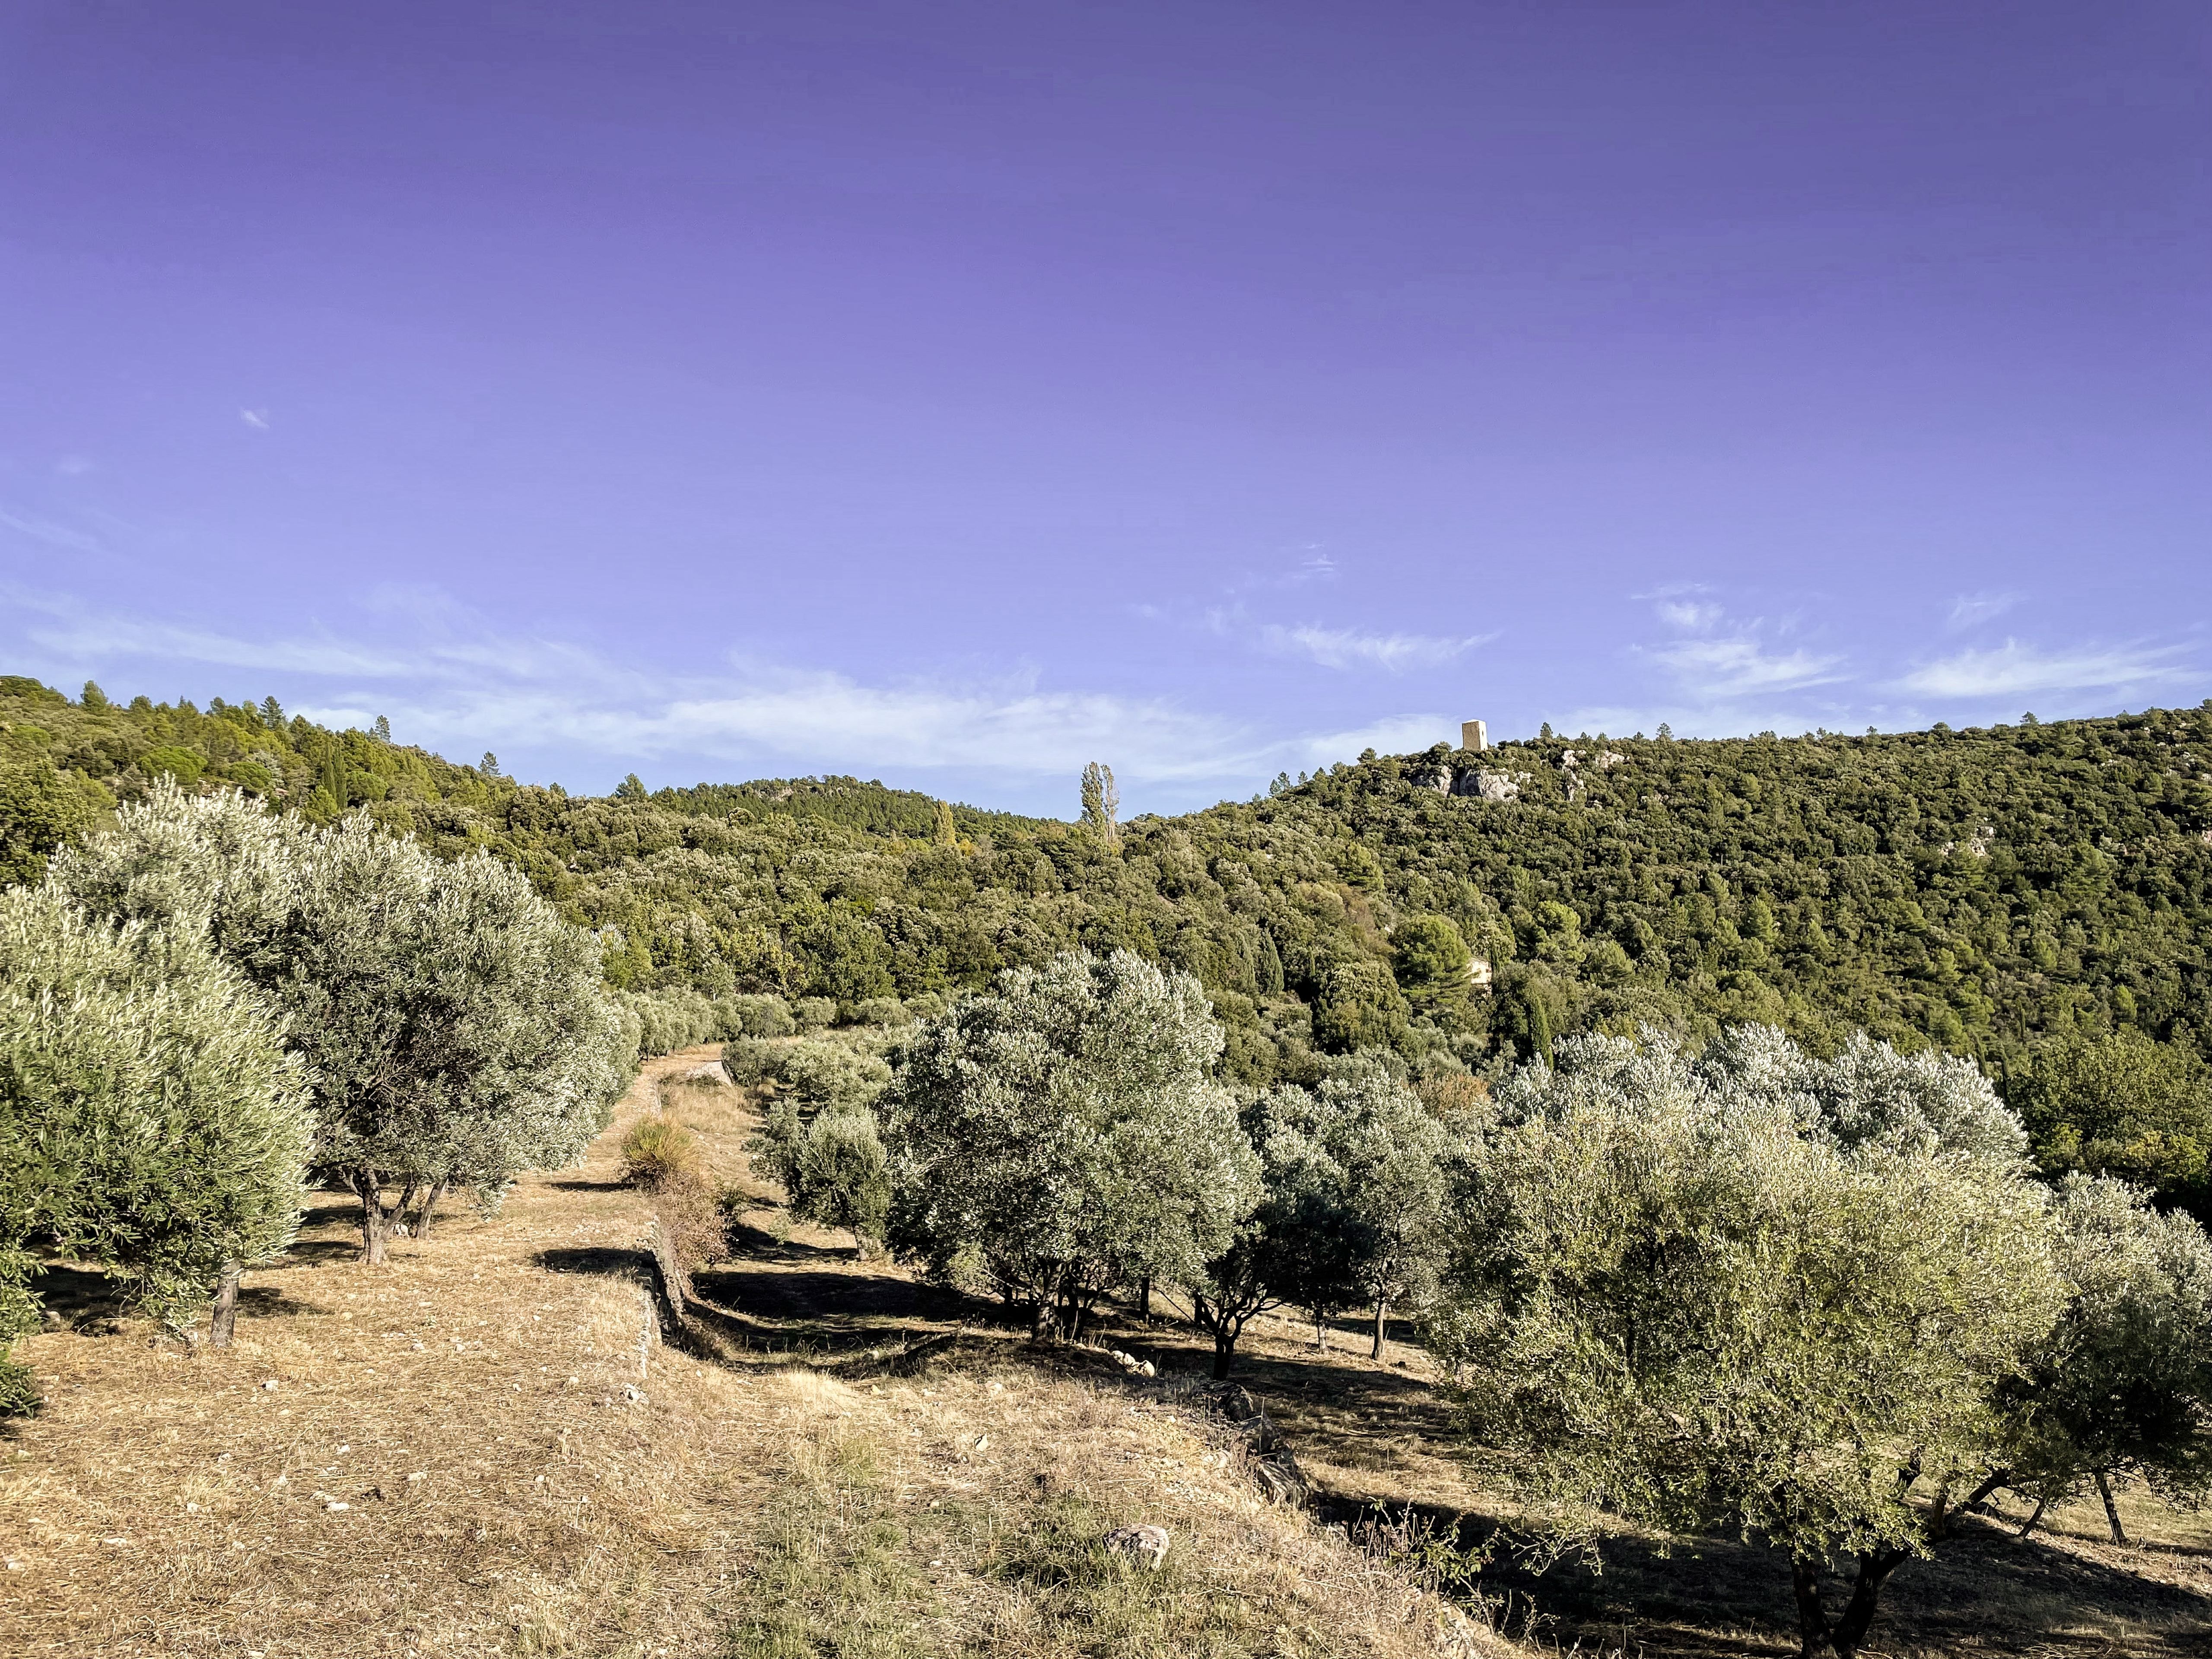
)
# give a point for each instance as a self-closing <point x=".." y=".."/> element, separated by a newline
<point x="955" y="395"/>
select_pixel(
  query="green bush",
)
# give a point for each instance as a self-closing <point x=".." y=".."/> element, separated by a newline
<point x="656" y="1151"/>
<point x="844" y="1175"/>
<point x="759" y="1017"/>
<point x="814" y="1013"/>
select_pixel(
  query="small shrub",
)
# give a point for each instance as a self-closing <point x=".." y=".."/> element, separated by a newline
<point x="19" y="1390"/>
<point x="656" y="1151"/>
<point x="844" y="1175"/>
<point x="814" y="1013"/>
<point x="689" y="1215"/>
<point x="759" y="1016"/>
<point x="880" y="1011"/>
<point x="778" y="1148"/>
<point x="746" y="1060"/>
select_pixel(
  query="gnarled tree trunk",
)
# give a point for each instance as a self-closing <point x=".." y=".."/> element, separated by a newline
<point x="223" y="1323"/>
<point x="1382" y="1319"/>
<point x="1843" y="1636"/>
<point x="375" y="1219"/>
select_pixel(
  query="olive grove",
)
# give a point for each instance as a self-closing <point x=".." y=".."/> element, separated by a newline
<point x="453" y="1029"/>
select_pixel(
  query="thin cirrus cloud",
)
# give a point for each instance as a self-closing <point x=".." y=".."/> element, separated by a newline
<point x="2017" y="670"/>
<point x="1347" y="648"/>
<point x="1738" y="664"/>
<point x="456" y="685"/>
<point x="1971" y="610"/>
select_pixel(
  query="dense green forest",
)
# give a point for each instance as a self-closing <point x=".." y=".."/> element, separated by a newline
<point x="1978" y="891"/>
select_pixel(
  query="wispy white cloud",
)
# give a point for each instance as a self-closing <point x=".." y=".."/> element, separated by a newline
<point x="256" y="418"/>
<point x="1971" y="610"/>
<point x="47" y="533"/>
<point x="1349" y="647"/>
<point x="456" y="685"/>
<point x="1736" y="664"/>
<point x="1722" y="659"/>
<point x="1687" y="613"/>
<point x="2015" y="669"/>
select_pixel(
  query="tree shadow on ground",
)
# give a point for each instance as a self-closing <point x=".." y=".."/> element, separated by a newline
<point x="77" y="1296"/>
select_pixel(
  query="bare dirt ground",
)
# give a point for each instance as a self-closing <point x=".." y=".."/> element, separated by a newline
<point x="477" y="1451"/>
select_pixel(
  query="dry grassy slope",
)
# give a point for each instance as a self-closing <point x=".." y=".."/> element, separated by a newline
<point x="450" y="1463"/>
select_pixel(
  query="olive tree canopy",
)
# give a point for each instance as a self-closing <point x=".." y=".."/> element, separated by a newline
<point x="151" y="1119"/>
<point x="2121" y="1389"/>
<point x="1752" y="1291"/>
<point x="1065" y="1134"/>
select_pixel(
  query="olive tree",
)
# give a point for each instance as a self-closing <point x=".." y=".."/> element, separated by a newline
<point x="1064" y="1134"/>
<point x="150" y="1118"/>
<point x="455" y="1029"/>
<point x="1391" y="1154"/>
<point x="1293" y="1249"/>
<point x="2121" y="1389"/>
<point x="1751" y="1290"/>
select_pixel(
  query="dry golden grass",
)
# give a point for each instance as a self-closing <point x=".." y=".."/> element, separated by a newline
<point x="452" y="1463"/>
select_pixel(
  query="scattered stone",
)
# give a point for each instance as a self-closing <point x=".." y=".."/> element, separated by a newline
<point x="51" y="1321"/>
<point x="271" y="1385"/>
<point x="633" y="1394"/>
<point x="335" y="1506"/>
<point x="981" y="1440"/>
<point x="413" y="1477"/>
<point x="1146" y="1546"/>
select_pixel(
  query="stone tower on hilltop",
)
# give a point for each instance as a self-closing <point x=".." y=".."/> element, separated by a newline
<point x="1474" y="734"/>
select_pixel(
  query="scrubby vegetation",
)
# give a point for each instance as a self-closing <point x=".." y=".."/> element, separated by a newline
<point x="1976" y="891"/>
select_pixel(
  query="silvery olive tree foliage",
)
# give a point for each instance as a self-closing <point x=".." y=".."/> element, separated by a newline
<point x="2120" y="1388"/>
<point x="454" y="1028"/>
<point x="150" y="1117"/>
<point x="1064" y="1134"/>
<point x="1394" y="1155"/>
<point x="1750" y="1290"/>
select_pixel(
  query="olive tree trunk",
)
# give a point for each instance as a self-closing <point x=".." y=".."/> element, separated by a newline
<point x="2112" y="1510"/>
<point x="375" y="1219"/>
<point x="223" y="1323"/>
<point x="422" y="1223"/>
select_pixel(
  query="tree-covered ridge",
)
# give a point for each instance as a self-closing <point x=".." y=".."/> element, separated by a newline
<point x="840" y="800"/>
<point x="1979" y="889"/>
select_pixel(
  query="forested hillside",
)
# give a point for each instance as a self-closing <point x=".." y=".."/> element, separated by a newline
<point x="1977" y="889"/>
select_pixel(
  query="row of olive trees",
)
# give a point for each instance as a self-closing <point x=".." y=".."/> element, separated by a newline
<point x="208" y="999"/>
<point x="1825" y="1304"/>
